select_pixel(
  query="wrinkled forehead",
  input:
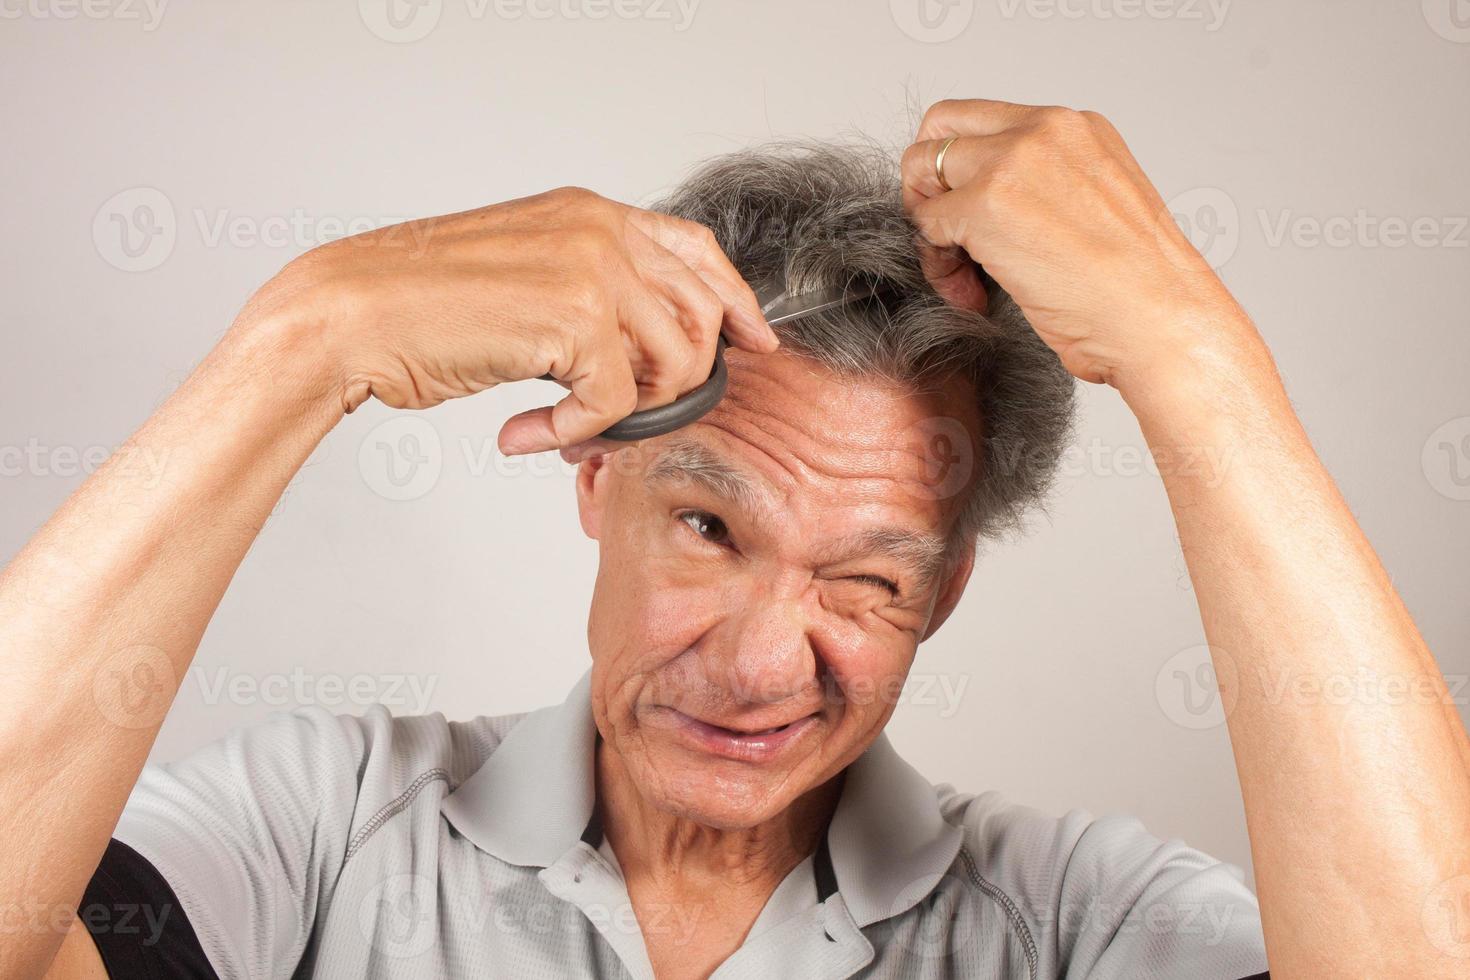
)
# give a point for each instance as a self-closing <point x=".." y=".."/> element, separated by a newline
<point x="794" y="434"/>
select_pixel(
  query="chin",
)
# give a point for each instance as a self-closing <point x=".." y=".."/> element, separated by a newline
<point x="720" y="794"/>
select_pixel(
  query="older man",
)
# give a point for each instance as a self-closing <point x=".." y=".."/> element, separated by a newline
<point x="715" y="797"/>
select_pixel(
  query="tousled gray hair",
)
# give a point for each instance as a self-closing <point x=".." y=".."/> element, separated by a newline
<point x="819" y="215"/>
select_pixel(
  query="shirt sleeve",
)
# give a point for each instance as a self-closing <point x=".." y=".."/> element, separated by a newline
<point x="1104" y="899"/>
<point x="250" y="833"/>
<point x="1135" y="906"/>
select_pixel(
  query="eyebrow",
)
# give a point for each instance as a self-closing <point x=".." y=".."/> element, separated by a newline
<point x="685" y="460"/>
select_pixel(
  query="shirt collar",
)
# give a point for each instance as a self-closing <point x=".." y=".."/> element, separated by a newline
<point x="531" y="800"/>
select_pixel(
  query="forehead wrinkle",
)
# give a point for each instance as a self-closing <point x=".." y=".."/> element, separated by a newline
<point x="688" y="460"/>
<point x="850" y="459"/>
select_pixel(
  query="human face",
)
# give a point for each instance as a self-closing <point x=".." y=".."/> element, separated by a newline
<point x="765" y="578"/>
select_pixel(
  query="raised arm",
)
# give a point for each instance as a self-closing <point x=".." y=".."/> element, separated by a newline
<point x="1358" y="807"/>
<point x="100" y="614"/>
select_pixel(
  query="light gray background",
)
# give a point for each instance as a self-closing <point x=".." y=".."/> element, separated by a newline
<point x="1078" y="648"/>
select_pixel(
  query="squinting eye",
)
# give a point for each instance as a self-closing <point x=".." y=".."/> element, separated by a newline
<point x="707" y="526"/>
<point x="877" y="580"/>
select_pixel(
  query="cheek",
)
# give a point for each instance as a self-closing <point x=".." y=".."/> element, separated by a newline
<point x="866" y="675"/>
<point x="649" y="606"/>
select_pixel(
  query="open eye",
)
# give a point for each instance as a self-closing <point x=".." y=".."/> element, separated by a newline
<point x="707" y="526"/>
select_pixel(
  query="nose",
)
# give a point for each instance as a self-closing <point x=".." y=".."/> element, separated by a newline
<point x="763" y="653"/>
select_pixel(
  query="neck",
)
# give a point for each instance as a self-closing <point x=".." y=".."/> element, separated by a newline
<point x="679" y="854"/>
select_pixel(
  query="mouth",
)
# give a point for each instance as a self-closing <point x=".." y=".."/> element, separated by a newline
<point x="756" y="745"/>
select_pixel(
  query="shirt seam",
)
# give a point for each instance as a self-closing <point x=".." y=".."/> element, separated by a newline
<point x="1017" y="921"/>
<point x="391" y="809"/>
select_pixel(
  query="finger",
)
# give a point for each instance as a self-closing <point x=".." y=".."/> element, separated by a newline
<point x="698" y="307"/>
<point x="966" y="158"/>
<point x="695" y="246"/>
<point x="603" y="391"/>
<point x="588" y="448"/>
<point x="664" y="359"/>
<point x="946" y="221"/>
<point x="954" y="276"/>
<point x="973" y="117"/>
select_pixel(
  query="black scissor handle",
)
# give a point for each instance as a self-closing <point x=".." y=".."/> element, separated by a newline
<point x="678" y="413"/>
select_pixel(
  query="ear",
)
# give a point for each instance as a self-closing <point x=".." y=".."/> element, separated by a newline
<point x="957" y="577"/>
<point x="593" y="480"/>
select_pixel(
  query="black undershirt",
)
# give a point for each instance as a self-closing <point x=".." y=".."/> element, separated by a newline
<point x="136" y="921"/>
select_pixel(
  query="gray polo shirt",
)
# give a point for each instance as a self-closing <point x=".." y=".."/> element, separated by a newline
<point x="373" y="846"/>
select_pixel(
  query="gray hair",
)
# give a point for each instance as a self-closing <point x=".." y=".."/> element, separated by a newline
<point x="821" y="215"/>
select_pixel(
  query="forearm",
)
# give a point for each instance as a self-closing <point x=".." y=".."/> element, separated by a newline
<point x="1354" y="766"/>
<point x="103" y="610"/>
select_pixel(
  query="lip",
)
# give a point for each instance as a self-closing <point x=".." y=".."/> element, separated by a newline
<point x="729" y="743"/>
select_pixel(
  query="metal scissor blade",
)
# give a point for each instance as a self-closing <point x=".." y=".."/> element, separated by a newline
<point x="783" y="306"/>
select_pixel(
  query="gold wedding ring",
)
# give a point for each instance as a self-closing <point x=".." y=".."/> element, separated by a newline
<point x="939" y="163"/>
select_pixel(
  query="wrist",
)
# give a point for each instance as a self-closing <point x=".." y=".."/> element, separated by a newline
<point x="1198" y="353"/>
<point x="285" y="332"/>
<point x="286" y="352"/>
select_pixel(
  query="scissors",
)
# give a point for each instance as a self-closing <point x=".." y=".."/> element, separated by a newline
<point x="778" y="306"/>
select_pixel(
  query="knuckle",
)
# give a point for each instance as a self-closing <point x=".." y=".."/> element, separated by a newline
<point x="588" y="300"/>
<point x="625" y="398"/>
<point x="1056" y="118"/>
<point x="573" y="196"/>
<point x="707" y="310"/>
<point x="594" y="245"/>
<point x="912" y="155"/>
